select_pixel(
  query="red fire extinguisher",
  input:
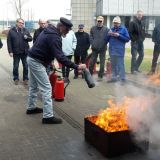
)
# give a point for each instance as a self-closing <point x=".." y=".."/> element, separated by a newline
<point x="59" y="90"/>
<point x="108" y="69"/>
<point x="53" y="78"/>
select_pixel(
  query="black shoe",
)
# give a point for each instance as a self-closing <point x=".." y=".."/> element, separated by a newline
<point x="51" y="120"/>
<point x="138" y="71"/>
<point x="34" y="111"/>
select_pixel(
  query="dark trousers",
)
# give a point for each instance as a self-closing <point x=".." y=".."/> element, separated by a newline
<point x="79" y="59"/>
<point x="66" y="70"/>
<point x="93" y="60"/>
<point x="155" y="57"/>
<point x="136" y="47"/>
<point x="16" y="60"/>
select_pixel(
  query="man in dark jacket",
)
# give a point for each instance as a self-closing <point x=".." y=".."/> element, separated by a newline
<point x="17" y="43"/>
<point x="1" y="44"/>
<point x="156" y="51"/>
<point x="42" y="25"/>
<point x="47" y="47"/>
<point x="83" y="44"/>
<point x="137" y="35"/>
<point x="98" y="46"/>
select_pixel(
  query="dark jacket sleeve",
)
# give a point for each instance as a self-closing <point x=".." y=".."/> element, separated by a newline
<point x="9" y="42"/>
<point x="1" y="44"/>
<point x="132" y="30"/>
<point x="88" y="41"/>
<point x="29" y="37"/>
<point x="56" y="50"/>
<point x="91" y="36"/>
<point x="35" y="36"/>
<point x="154" y="35"/>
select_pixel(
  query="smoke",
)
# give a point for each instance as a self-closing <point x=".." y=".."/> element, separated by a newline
<point x="143" y="115"/>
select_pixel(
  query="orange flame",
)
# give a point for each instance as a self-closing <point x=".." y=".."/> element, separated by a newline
<point x="154" y="79"/>
<point x="115" y="117"/>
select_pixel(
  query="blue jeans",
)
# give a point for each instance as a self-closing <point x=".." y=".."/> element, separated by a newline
<point x="118" y="67"/>
<point x="39" y="80"/>
<point x="136" y="47"/>
<point x="16" y="60"/>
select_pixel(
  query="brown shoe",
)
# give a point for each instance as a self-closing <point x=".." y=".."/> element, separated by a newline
<point x="16" y="82"/>
<point x="25" y="82"/>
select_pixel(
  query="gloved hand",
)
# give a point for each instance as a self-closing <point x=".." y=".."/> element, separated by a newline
<point x="25" y="36"/>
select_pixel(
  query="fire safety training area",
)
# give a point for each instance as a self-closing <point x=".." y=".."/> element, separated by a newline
<point x="24" y="137"/>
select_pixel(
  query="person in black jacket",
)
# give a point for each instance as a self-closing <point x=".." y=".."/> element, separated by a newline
<point x="17" y="43"/>
<point x="137" y="35"/>
<point x="42" y="25"/>
<point x="156" y="51"/>
<point x="47" y="47"/>
<point x="1" y="44"/>
<point x="83" y="44"/>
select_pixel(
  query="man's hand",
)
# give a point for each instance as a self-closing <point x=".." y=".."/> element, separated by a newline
<point x="11" y="54"/>
<point x="25" y="36"/>
<point x="82" y="66"/>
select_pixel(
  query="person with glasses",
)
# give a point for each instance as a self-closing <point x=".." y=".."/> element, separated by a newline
<point x="98" y="46"/>
<point x="42" y="24"/>
<point x="17" y="43"/>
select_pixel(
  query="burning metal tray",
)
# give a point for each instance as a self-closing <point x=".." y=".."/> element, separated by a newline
<point x="112" y="144"/>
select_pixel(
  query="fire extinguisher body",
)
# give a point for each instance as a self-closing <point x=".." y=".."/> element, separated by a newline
<point x="59" y="90"/>
<point x="53" y="78"/>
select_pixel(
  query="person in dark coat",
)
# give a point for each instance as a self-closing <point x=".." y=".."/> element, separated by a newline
<point x="137" y="35"/>
<point x="156" y="51"/>
<point x="1" y="44"/>
<point x="83" y="44"/>
<point x="17" y="43"/>
<point x="47" y="47"/>
<point x="98" y="46"/>
<point x="42" y="25"/>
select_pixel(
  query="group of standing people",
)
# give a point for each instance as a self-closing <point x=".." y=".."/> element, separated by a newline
<point x="60" y="42"/>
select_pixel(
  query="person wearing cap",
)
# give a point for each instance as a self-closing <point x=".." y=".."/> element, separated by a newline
<point x="83" y="44"/>
<point x="47" y="47"/>
<point x="137" y="34"/>
<point x="117" y="38"/>
<point x="42" y="25"/>
<point x="98" y="46"/>
<point x="69" y="43"/>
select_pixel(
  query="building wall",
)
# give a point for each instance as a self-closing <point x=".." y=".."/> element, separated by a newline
<point x="128" y="7"/>
<point x="83" y="12"/>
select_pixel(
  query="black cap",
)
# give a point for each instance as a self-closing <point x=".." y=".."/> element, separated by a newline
<point x="66" y="22"/>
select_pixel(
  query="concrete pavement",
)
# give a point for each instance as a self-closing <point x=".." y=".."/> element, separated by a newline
<point x="24" y="137"/>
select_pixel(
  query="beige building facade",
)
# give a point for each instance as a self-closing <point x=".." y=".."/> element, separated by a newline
<point x="83" y="12"/>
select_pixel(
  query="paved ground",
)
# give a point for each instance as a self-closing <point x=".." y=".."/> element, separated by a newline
<point x="23" y="137"/>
